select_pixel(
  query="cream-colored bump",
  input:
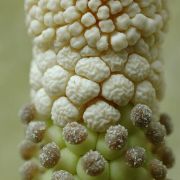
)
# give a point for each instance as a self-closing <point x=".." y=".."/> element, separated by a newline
<point x="89" y="52"/>
<point x="45" y="39"/>
<point x="42" y="103"/>
<point x="88" y="19"/>
<point x="36" y="13"/>
<point x="94" y="4"/>
<point x="103" y="13"/>
<point x="49" y="19"/>
<point x="92" y="35"/>
<point x="118" y="89"/>
<point x="75" y="28"/>
<point x="115" y="6"/>
<point x="92" y="68"/>
<point x="80" y="90"/>
<point x="119" y="41"/>
<point x="68" y="58"/>
<point x="59" y="18"/>
<point x="100" y="116"/>
<point x="63" y="34"/>
<point x="133" y="9"/>
<point x="63" y="112"/>
<point x="103" y="43"/>
<point x="55" y="81"/>
<point x="123" y="22"/>
<point x="42" y="4"/>
<point x="35" y="76"/>
<point x="132" y="36"/>
<point x="36" y="27"/>
<point x="65" y="4"/>
<point x="126" y="2"/>
<point x="78" y="42"/>
<point x="115" y="61"/>
<point x="137" y="68"/>
<point x="71" y="14"/>
<point x="145" y="94"/>
<point x="107" y="26"/>
<point x="46" y="60"/>
<point x="82" y="5"/>
<point x="53" y="5"/>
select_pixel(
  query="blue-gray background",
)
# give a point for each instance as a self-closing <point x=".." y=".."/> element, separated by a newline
<point x="15" y="56"/>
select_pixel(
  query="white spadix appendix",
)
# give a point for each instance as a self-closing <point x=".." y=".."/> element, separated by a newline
<point x="96" y="82"/>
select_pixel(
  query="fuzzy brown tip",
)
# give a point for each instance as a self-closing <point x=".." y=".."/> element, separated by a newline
<point x="49" y="155"/>
<point x="93" y="163"/>
<point x="29" y="170"/>
<point x="165" y="120"/>
<point x="27" y="149"/>
<point x="156" y="133"/>
<point x="62" y="175"/>
<point x="27" y="113"/>
<point x="167" y="157"/>
<point x="135" y="157"/>
<point x="116" y="137"/>
<point x="35" y="131"/>
<point x="74" y="133"/>
<point x="141" y="115"/>
<point x="158" y="170"/>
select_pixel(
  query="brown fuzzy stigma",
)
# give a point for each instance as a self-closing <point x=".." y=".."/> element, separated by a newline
<point x="156" y="133"/>
<point x="158" y="170"/>
<point x="27" y="113"/>
<point x="167" y="157"/>
<point x="135" y="157"/>
<point x="35" y="131"/>
<point x="165" y="120"/>
<point x="93" y="163"/>
<point x="141" y="115"/>
<point x="49" y="155"/>
<point x="74" y="133"/>
<point x="27" y="149"/>
<point x="62" y="175"/>
<point x="29" y="170"/>
<point x="116" y="137"/>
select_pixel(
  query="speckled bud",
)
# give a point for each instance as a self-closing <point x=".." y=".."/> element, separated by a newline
<point x="158" y="170"/>
<point x="135" y="157"/>
<point x="62" y="175"/>
<point x="27" y="113"/>
<point x="29" y="170"/>
<point x="93" y="163"/>
<point x="74" y="133"/>
<point x="156" y="133"/>
<point x="35" y="131"/>
<point x="165" y="120"/>
<point x="141" y="115"/>
<point x="49" y="155"/>
<point x="116" y="137"/>
<point x="167" y="156"/>
<point x="27" y="149"/>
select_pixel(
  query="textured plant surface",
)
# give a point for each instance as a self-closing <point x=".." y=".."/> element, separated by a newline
<point x="96" y="83"/>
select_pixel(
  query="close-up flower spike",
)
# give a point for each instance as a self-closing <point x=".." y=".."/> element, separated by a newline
<point x="96" y="81"/>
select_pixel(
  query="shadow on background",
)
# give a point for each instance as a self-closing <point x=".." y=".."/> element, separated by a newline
<point x="15" y="55"/>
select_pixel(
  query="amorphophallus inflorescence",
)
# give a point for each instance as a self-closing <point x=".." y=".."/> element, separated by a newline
<point x="96" y="84"/>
